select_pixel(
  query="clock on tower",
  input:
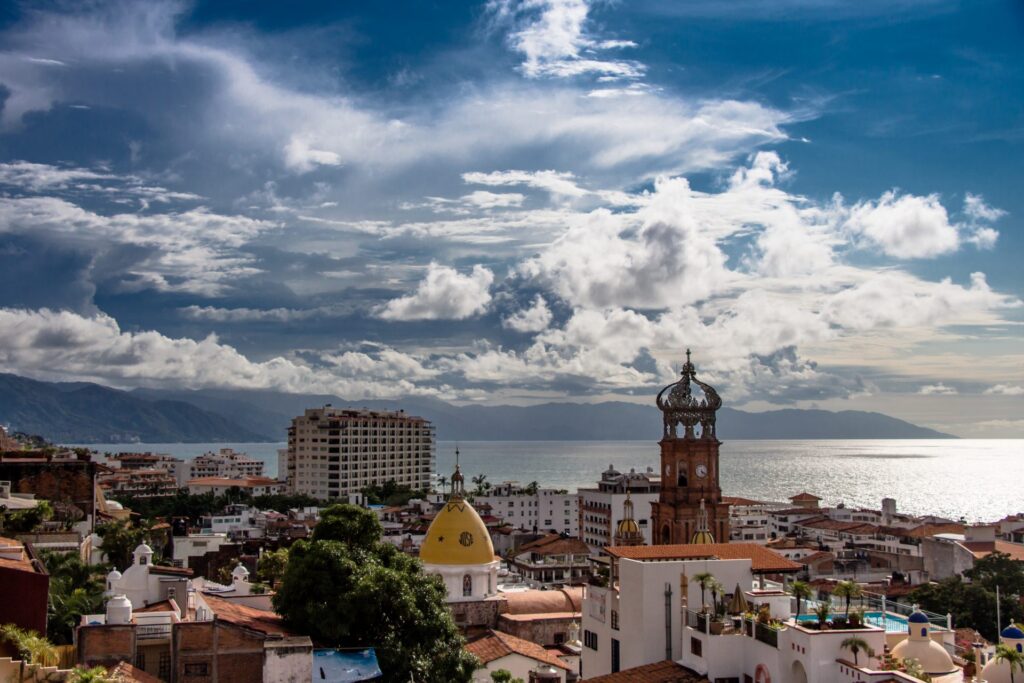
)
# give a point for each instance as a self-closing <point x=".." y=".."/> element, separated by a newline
<point x="690" y="507"/>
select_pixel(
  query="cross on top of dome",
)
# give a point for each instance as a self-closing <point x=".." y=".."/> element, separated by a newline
<point x="681" y="406"/>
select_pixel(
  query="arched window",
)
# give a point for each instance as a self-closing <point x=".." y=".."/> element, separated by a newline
<point x="924" y="631"/>
<point x="666" y="535"/>
<point x="467" y="586"/>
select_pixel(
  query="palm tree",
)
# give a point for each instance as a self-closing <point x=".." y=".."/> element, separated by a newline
<point x="848" y="590"/>
<point x="856" y="645"/>
<point x="716" y="589"/>
<point x="822" y="611"/>
<point x="33" y="650"/>
<point x="801" y="590"/>
<point x="1014" y="659"/>
<point x="443" y="481"/>
<point x="479" y="481"/>
<point x="704" y="580"/>
<point x="531" y="488"/>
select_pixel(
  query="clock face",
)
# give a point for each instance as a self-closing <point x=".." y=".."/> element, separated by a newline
<point x="702" y="471"/>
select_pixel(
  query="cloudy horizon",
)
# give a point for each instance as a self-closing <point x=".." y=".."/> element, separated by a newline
<point x="520" y="201"/>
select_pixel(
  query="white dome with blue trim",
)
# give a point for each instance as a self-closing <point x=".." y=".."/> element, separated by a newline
<point x="918" y="617"/>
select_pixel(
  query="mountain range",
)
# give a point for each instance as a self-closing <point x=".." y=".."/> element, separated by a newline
<point x="82" y="412"/>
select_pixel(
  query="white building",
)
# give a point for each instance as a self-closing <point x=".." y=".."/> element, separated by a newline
<point x="652" y="611"/>
<point x="497" y="650"/>
<point x="195" y="545"/>
<point x="254" y="486"/>
<point x="333" y="452"/>
<point x="226" y="463"/>
<point x="531" y="509"/>
<point x="144" y="583"/>
<point x="602" y="508"/>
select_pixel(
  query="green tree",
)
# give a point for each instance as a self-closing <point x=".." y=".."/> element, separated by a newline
<point x="443" y="481"/>
<point x="33" y="650"/>
<point x="504" y="676"/>
<point x="704" y="580"/>
<point x="26" y="521"/>
<point x="1013" y="659"/>
<point x="272" y="565"/>
<point x="822" y="611"/>
<point x="349" y="524"/>
<point x="801" y="590"/>
<point x="369" y="594"/>
<point x="119" y="540"/>
<point x="531" y="488"/>
<point x="481" y="484"/>
<point x="847" y="590"/>
<point x="856" y="645"/>
<point x="75" y="589"/>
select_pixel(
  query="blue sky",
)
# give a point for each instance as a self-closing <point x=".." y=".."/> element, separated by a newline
<point x="521" y="201"/>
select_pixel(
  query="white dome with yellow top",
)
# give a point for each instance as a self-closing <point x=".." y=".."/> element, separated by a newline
<point x="458" y="548"/>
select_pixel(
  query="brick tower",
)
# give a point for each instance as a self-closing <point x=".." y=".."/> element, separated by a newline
<point x="690" y="508"/>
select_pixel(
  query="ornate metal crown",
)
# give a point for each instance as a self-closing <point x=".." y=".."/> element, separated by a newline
<point x="679" y="405"/>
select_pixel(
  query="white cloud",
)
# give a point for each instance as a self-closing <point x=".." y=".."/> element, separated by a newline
<point x="939" y="389"/>
<point x="492" y="200"/>
<point x="237" y="315"/>
<point x="551" y="36"/>
<point x="536" y="318"/>
<point x="386" y="363"/>
<point x="905" y="226"/>
<point x="1005" y="390"/>
<point x="194" y="251"/>
<point x="443" y="294"/>
<point x="38" y="177"/>
<point x="551" y="181"/>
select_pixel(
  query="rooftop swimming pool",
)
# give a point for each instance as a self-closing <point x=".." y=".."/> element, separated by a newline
<point x="892" y="623"/>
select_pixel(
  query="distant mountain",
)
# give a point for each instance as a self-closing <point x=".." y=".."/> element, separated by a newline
<point x="80" y="412"/>
<point x="271" y="412"/>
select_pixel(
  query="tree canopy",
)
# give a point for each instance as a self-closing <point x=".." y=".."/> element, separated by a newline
<point x="345" y="588"/>
<point x="973" y="602"/>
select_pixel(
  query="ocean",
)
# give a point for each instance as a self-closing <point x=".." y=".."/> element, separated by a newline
<point x="977" y="479"/>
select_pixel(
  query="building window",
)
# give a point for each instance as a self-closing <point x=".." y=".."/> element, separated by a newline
<point x="165" y="666"/>
<point x="615" y="619"/>
<point x="696" y="647"/>
<point x="197" y="669"/>
<point x="590" y="640"/>
<point x="615" y="656"/>
<point x="467" y="586"/>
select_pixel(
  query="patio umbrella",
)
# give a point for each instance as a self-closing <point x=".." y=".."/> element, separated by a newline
<point x="738" y="604"/>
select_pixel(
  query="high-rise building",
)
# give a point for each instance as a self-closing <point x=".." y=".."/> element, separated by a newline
<point x="333" y="452"/>
<point x="225" y="463"/>
<point x="602" y="509"/>
<point x="690" y="504"/>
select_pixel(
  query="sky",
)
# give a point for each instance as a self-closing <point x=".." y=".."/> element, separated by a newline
<point x="514" y="202"/>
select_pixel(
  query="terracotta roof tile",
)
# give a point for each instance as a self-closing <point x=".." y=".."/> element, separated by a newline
<point x="497" y="644"/>
<point x="982" y="549"/>
<point x="659" y="672"/>
<point x="803" y="495"/>
<point x="170" y="571"/>
<point x="555" y="544"/>
<point x="762" y="559"/>
<point x="270" y="623"/>
<point x="543" y="616"/>
<point x="128" y="673"/>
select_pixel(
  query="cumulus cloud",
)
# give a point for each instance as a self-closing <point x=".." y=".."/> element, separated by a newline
<point x="908" y="226"/>
<point x="444" y="294"/>
<point x="1005" y="390"/>
<point x="533" y="319"/>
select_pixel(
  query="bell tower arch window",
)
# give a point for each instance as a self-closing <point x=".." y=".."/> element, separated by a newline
<point x="467" y="586"/>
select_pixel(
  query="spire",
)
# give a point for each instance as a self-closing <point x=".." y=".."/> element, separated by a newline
<point x="703" y="533"/>
<point x="458" y="482"/>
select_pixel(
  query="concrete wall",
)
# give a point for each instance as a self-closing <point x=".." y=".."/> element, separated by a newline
<point x="516" y="664"/>
<point x="288" y="661"/>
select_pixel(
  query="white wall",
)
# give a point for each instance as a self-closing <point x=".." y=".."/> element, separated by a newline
<point x="516" y="664"/>
<point x="288" y="661"/>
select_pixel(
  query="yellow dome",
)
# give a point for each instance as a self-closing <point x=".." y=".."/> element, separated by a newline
<point x="457" y="536"/>
<point x="703" y="537"/>
<point x="628" y="526"/>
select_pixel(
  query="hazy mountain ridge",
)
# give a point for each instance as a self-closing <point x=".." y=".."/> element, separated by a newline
<point x="90" y="413"/>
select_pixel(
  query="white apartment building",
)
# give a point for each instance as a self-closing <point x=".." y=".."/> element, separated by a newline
<point x="651" y="612"/>
<point x="533" y="509"/>
<point x="333" y="452"/>
<point x="602" y="508"/>
<point x="226" y="463"/>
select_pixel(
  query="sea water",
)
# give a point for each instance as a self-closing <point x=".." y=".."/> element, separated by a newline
<point x="977" y="479"/>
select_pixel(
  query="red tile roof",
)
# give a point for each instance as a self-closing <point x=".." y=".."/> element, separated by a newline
<point x="130" y="674"/>
<point x="982" y="549"/>
<point x="497" y="644"/>
<point x="232" y="612"/>
<point x="659" y="672"/>
<point x="762" y="559"/>
<point x="555" y="544"/>
<point x="804" y="496"/>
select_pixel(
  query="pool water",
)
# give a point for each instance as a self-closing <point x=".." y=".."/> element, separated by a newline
<point x="892" y="623"/>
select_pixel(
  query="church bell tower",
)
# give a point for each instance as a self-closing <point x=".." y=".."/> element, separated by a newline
<point x="690" y="507"/>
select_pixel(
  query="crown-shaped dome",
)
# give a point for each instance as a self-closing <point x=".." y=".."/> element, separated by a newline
<point x="681" y="406"/>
